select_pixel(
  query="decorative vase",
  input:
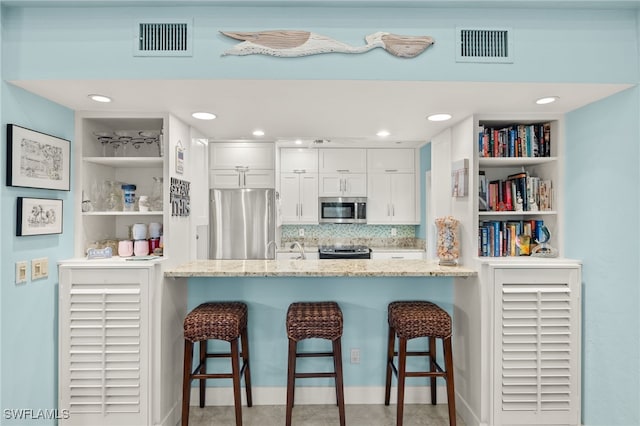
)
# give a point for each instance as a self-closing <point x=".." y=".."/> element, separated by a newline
<point x="448" y="243"/>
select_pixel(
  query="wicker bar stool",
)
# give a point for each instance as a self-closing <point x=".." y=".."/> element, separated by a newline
<point x="306" y="320"/>
<point x="409" y="320"/>
<point x="221" y="321"/>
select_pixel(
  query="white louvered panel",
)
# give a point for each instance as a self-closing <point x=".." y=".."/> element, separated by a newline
<point x="102" y="377"/>
<point x="536" y="365"/>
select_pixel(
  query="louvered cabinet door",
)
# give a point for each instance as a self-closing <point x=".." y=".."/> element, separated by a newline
<point x="537" y="346"/>
<point x="103" y="346"/>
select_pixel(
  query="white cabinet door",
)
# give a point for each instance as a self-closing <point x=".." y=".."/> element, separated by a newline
<point x="403" y="198"/>
<point x="343" y="185"/>
<point x="391" y="198"/>
<point x="378" y="198"/>
<point x="390" y="160"/>
<point x="244" y="179"/>
<point x="226" y="156"/>
<point x="299" y="198"/>
<point x="257" y="178"/>
<point x="289" y="197"/>
<point x="104" y="352"/>
<point x="397" y="255"/>
<point x="298" y="160"/>
<point x="346" y="160"/>
<point x="537" y="345"/>
<point x="308" y="198"/>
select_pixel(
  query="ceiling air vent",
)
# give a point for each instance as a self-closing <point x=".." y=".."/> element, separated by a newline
<point x="491" y="45"/>
<point x="163" y="38"/>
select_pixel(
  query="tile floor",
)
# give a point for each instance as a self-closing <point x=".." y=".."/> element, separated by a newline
<point x="323" y="415"/>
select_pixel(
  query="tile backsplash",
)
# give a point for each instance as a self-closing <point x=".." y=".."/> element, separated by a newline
<point x="371" y="235"/>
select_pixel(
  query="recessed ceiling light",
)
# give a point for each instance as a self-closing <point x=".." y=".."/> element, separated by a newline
<point x="258" y="133"/>
<point x="203" y="115"/>
<point x="298" y="142"/>
<point x="546" y="100"/>
<point x="439" y="117"/>
<point x="100" y="98"/>
<point x="383" y="133"/>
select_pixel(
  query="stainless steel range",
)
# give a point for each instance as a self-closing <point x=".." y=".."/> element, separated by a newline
<point x="344" y="252"/>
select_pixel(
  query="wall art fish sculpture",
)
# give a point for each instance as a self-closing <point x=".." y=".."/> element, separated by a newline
<point x="293" y="43"/>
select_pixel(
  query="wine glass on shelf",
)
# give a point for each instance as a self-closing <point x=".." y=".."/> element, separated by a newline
<point x="152" y="136"/>
<point x="124" y="137"/>
<point x="104" y="138"/>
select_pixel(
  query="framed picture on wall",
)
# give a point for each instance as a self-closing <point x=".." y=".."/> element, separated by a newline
<point x="38" y="216"/>
<point x="37" y="160"/>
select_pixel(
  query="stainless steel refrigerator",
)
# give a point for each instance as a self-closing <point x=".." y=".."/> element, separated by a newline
<point x="242" y="223"/>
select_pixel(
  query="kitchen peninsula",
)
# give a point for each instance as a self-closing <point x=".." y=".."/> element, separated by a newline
<point x="316" y="268"/>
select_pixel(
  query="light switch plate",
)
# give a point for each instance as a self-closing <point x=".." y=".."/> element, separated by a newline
<point x="39" y="268"/>
<point x="21" y="272"/>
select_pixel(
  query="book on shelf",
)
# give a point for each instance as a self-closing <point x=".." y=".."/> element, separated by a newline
<point x="508" y="238"/>
<point x="483" y="188"/>
<point x="517" y="140"/>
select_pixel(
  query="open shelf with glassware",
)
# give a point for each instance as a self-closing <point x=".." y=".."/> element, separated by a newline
<point x="117" y="151"/>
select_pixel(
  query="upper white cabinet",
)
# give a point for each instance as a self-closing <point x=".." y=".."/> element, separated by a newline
<point x="391" y="160"/>
<point x="241" y="165"/>
<point x="343" y="160"/>
<point x="343" y="172"/>
<point x="298" y="160"/>
<point x="299" y="186"/>
<point x="391" y="187"/>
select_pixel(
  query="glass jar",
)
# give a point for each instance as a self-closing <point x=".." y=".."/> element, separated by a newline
<point x="156" y="195"/>
<point x="448" y="242"/>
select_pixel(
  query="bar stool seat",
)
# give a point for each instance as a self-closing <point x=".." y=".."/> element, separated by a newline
<point x="220" y="321"/>
<point x="307" y="320"/>
<point x="410" y="320"/>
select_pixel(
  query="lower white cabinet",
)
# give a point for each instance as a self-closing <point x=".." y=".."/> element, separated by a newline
<point x="119" y="344"/>
<point x="536" y="363"/>
<point x="517" y="343"/>
<point x="397" y="255"/>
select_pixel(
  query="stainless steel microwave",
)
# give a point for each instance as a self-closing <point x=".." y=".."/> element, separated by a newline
<point x="342" y="210"/>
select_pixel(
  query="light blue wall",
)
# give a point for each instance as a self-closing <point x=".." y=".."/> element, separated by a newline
<point x="362" y="300"/>
<point x="602" y="201"/>
<point x="553" y="45"/>
<point x="28" y="313"/>
<point x="549" y="45"/>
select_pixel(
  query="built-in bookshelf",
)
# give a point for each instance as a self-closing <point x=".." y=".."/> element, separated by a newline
<point x="517" y="174"/>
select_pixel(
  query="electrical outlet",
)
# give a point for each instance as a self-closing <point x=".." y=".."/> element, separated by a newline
<point x="39" y="268"/>
<point x="300" y="232"/>
<point x="355" y="356"/>
<point x="21" y="272"/>
<point x="394" y="232"/>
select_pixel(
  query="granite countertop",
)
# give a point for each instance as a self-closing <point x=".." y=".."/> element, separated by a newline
<point x="317" y="268"/>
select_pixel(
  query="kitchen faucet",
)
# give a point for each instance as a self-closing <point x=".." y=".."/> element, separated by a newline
<point x="302" y="255"/>
<point x="266" y="249"/>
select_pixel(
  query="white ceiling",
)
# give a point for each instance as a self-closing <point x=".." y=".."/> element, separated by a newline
<point x="335" y="110"/>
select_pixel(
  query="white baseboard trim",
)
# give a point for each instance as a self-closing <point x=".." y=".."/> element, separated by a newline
<point x="466" y="413"/>
<point x="306" y="395"/>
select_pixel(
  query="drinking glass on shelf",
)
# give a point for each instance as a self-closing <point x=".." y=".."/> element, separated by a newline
<point x="105" y="139"/>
